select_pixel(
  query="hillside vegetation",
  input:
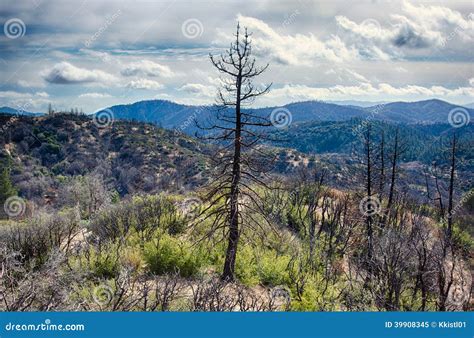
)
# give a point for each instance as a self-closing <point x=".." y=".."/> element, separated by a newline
<point x="114" y="219"/>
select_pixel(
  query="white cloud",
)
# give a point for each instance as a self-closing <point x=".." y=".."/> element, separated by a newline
<point x="147" y="68"/>
<point x="313" y="49"/>
<point x="144" y="84"/>
<point x="24" y="101"/>
<point x="103" y="56"/>
<point x="299" y="49"/>
<point x="300" y="93"/>
<point x="30" y="84"/>
<point x="418" y="27"/>
<point x="9" y="94"/>
<point x="66" y="73"/>
<point x="42" y="94"/>
<point x="438" y="17"/>
<point x="199" y="89"/>
<point x="94" y="95"/>
<point x="345" y="75"/>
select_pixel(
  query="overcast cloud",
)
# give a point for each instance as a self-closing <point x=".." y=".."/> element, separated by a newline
<point x="93" y="54"/>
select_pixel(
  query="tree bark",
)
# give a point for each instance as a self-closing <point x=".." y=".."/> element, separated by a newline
<point x="392" y="178"/>
<point x="231" y="253"/>
<point x="369" y="195"/>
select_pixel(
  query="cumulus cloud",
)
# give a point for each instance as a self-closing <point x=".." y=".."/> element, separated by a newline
<point x="66" y="73"/>
<point x="298" y="49"/>
<point x="418" y="27"/>
<point x="345" y="75"/>
<point x="439" y="18"/>
<point x="147" y="68"/>
<point x="403" y="33"/>
<point x="42" y="94"/>
<point x="144" y="84"/>
<point x="308" y="46"/>
<point x="199" y="89"/>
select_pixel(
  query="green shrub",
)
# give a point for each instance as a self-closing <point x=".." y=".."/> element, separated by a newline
<point x="168" y="255"/>
<point x="245" y="266"/>
<point x="143" y="215"/>
<point x="254" y="266"/>
<point x="102" y="262"/>
<point x="272" y="268"/>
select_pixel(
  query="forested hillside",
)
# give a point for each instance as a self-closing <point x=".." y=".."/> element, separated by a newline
<point x="306" y="207"/>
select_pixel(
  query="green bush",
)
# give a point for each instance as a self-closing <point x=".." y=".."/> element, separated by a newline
<point x="273" y="268"/>
<point x="168" y="255"/>
<point x="102" y="262"/>
<point x="143" y="215"/>
<point x="255" y="266"/>
<point x="246" y="266"/>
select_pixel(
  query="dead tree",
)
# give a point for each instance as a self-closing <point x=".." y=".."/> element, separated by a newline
<point x="305" y="200"/>
<point x="239" y="160"/>
<point x="382" y="165"/>
<point x="446" y="253"/>
<point x="394" y="157"/>
<point x="449" y="217"/>
<point x="368" y="182"/>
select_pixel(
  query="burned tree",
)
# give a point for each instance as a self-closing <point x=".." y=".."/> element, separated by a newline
<point x="394" y="158"/>
<point x="449" y="226"/>
<point x="239" y="161"/>
<point x="369" y="212"/>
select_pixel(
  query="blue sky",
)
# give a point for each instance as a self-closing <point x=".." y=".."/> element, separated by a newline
<point x="93" y="54"/>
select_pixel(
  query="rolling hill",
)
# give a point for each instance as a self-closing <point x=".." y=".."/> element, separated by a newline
<point x="14" y="111"/>
<point x="171" y="115"/>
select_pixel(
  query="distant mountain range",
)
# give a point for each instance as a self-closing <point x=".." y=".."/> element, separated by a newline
<point x="172" y="115"/>
<point x="357" y="103"/>
<point x="14" y="111"/>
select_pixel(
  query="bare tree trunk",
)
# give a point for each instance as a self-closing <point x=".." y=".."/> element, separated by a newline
<point x="449" y="229"/>
<point x="229" y="264"/>
<point x="382" y="166"/>
<point x="391" y="193"/>
<point x="446" y="278"/>
<point x="231" y="195"/>
<point x="369" y="219"/>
